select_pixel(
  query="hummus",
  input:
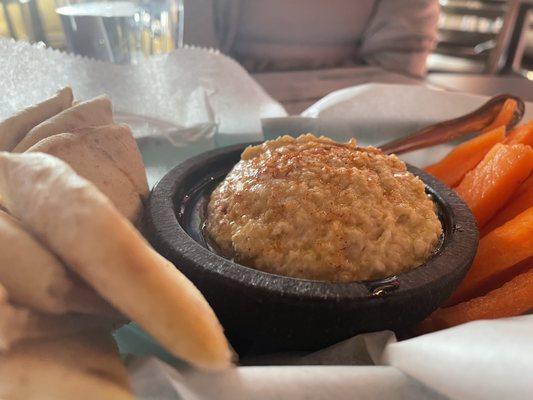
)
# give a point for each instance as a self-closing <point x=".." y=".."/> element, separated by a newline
<point x="315" y="209"/>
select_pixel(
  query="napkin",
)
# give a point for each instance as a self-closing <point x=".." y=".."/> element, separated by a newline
<point x="183" y="88"/>
<point x="274" y="382"/>
<point x="184" y="102"/>
<point x="482" y="360"/>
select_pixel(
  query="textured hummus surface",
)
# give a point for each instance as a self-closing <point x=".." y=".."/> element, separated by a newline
<point x="315" y="209"/>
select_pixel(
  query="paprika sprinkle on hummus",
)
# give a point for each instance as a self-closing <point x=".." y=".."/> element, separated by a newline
<point x="312" y="208"/>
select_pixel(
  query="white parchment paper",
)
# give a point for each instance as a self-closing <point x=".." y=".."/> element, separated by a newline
<point x="185" y="102"/>
<point x="482" y="360"/>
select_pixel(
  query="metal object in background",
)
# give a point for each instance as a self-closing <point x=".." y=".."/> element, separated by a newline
<point x="512" y="41"/>
<point x="468" y="30"/>
<point x="32" y="27"/>
<point x="122" y="32"/>
<point x="483" y="36"/>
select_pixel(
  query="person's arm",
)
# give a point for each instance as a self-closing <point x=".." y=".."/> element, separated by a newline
<point x="401" y="34"/>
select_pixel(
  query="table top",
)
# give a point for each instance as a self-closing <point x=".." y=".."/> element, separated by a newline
<point x="489" y="85"/>
<point x="297" y="90"/>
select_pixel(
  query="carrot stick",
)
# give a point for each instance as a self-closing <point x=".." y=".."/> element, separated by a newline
<point x="491" y="184"/>
<point x="513" y="298"/>
<point x="522" y="134"/>
<point x="452" y="168"/>
<point x="504" y="276"/>
<point x="504" y="117"/>
<point x="524" y="187"/>
<point x="498" y="251"/>
<point x="516" y="205"/>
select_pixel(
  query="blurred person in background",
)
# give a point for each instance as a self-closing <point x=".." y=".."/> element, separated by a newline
<point x="281" y="35"/>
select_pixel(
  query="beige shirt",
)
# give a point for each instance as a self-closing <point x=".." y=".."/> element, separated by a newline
<point x="272" y="35"/>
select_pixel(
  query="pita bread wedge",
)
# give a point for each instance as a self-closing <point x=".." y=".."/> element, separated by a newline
<point x="82" y="226"/>
<point x="83" y="366"/>
<point x="95" y="112"/>
<point x="118" y="143"/>
<point x="93" y="163"/>
<point x="34" y="277"/>
<point x="19" y="324"/>
<point x="13" y="129"/>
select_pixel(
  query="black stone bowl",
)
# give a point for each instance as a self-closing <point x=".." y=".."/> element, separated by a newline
<point x="263" y="312"/>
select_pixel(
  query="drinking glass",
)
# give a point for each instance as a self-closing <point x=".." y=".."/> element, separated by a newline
<point x="122" y="32"/>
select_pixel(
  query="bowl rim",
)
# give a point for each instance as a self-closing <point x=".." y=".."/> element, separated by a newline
<point x="459" y="243"/>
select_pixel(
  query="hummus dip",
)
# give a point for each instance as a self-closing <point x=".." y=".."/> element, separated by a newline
<point x="315" y="209"/>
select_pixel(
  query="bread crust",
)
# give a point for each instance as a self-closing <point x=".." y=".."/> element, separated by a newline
<point x="13" y="129"/>
<point x="36" y="278"/>
<point x="94" y="112"/>
<point x="80" y="224"/>
<point x="95" y="165"/>
<point x="118" y="143"/>
<point x="83" y="366"/>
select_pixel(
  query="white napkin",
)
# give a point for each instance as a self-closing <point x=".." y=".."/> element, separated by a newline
<point x="396" y="107"/>
<point x="178" y="105"/>
<point x="482" y="360"/>
<point x="187" y="87"/>
<point x="154" y="379"/>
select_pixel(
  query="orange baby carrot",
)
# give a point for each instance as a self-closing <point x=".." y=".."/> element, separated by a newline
<point x="463" y="158"/>
<point x="498" y="251"/>
<point x="492" y="183"/>
<point x="522" y="134"/>
<point x="513" y="298"/>
<point x="504" y="117"/>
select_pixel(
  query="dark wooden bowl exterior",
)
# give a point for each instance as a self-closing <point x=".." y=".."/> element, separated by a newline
<point x="262" y="312"/>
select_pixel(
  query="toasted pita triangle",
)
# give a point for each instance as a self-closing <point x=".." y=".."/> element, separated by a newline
<point x="118" y="143"/>
<point x="94" y="164"/>
<point x="34" y="277"/>
<point x="13" y="129"/>
<point x="84" y="366"/>
<point x="18" y="324"/>
<point x="81" y="225"/>
<point x="95" y="112"/>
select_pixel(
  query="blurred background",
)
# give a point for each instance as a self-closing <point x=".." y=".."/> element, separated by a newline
<point x="117" y="31"/>
<point x="477" y="42"/>
<point x="492" y="36"/>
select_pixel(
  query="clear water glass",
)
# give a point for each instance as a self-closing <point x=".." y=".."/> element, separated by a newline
<point x="122" y="32"/>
